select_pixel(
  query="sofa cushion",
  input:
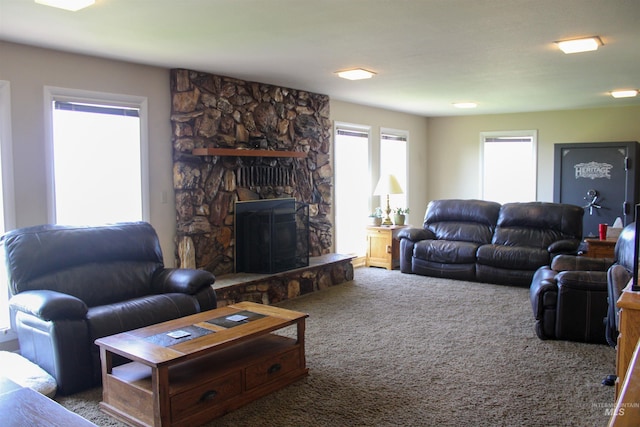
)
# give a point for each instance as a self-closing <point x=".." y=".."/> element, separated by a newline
<point x="100" y="283"/>
<point x="503" y="276"/>
<point x="139" y="312"/>
<point x="446" y="251"/>
<point x="538" y="224"/>
<point x="441" y="269"/>
<point x="98" y="265"/>
<point x="462" y="220"/>
<point x="513" y="257"/>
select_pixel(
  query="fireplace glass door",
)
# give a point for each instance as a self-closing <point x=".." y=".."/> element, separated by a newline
<point x="271" y="235"/>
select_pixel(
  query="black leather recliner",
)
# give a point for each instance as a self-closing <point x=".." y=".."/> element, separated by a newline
<point x="570" y="299"/>
<point x="72" y="285"/>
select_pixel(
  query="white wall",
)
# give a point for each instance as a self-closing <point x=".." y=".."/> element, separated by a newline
<point x="28" y="70"/>
<point x="454" y="143"/>
<point x="377" y="118"/>
<point x="443" y="151"/>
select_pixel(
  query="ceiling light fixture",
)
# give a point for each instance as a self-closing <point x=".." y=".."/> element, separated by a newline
<point x="585" y="44"/>
<point x="465" y="104"/>
<point x="355" y="74"/>
<point x="71" y="5"/>
<point x="624" y="93"/>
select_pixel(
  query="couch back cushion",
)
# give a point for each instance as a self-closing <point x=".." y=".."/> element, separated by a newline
<point x="538" y="224"/>
<point x="462" y="220"/>
<point x="624" y="247"/>
<point x="99" y="265"/>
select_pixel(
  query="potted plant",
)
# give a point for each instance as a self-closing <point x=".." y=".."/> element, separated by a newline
<point x="399" y="215"/>
<point x="376" y="217"/>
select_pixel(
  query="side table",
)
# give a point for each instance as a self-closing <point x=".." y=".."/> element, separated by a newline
<point x="600" y="248"/>
<point x="383" y="246"/>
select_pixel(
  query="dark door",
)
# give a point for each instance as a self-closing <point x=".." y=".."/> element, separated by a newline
<point x="600" y="177"/>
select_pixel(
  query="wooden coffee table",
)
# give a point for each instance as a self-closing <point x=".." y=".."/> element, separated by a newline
<point x="224" y="363"/>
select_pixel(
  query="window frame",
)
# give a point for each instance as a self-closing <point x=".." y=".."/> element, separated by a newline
<point x="52" y="93"/>
<point x="405" y="182"/>
<point x="8" y="189"/>
<point x="337" y="126"/>
<point x="533" y="134"/>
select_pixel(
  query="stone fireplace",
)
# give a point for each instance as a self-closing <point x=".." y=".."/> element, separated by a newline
<point x="236" y="141"/>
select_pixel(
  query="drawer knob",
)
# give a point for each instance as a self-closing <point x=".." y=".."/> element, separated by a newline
<point x="274" y="368"/>
<point x="208" y="395"/>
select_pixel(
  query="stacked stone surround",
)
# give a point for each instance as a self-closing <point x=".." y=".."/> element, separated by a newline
<point x="210" y="111"/>
<point x="323" y="272"/>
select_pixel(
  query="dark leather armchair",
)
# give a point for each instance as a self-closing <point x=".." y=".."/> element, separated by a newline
<point x="575" y="298"/>
<point x="72" y="285"/>
<point x="569" y="298"/>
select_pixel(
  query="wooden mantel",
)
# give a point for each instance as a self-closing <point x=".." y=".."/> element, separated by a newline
<point x="246" y="153"/>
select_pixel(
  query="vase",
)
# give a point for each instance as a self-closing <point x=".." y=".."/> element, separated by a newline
<point x="398" y="219"/>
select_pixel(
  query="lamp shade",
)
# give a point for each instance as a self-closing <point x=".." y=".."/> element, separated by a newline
<point x="388" y="184"/>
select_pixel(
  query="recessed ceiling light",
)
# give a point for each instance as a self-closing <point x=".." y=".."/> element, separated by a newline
<point x="585" y="44"/>
<point x="465" y="104"/>
<point x="355" y="74"/>
<point x="624" y="93"/>
<point x="72" y="5"/>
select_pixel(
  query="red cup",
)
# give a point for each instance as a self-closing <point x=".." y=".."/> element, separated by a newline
<point x="602" y="230"/>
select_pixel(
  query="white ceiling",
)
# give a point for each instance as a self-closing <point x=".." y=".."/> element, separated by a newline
<point x="427" y="53"/>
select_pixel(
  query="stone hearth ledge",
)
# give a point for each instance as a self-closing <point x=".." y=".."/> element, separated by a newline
<point x="322" y="272"/>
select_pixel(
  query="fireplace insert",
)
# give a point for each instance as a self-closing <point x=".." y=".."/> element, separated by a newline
<point x="272" y="235"/>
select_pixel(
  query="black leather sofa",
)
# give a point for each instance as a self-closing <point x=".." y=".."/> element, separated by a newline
<point x="72" y="285"/>
<point x="484" y="241"/>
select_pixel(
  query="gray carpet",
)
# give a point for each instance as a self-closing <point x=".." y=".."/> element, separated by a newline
<point x="391" y="349"/>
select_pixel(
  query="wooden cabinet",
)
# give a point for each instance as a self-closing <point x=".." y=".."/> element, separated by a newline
<point x="629" y="333"/>
<point x="383" y="246"/>
<point x="600" y="248"/>
<point x="626" y="412"/>
<point x="241" y="375"/>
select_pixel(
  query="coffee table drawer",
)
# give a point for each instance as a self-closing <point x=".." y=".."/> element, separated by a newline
<point x="272" y="368"/>
<point x="206" y="396"/>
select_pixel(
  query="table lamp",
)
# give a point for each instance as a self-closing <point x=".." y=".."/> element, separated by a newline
<point x="388" y="184"/>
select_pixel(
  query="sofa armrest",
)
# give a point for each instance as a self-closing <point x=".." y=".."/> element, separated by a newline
<point x="567" y="246"/>
<point x="580" y="263"/>
<point x="543" y="291"/>
<point x="580" y="281"/>
<point x="543" y="295"/>
<point x="416" y="234"/>
<point x="49" y="305"/>
<point x="181" y="280"/>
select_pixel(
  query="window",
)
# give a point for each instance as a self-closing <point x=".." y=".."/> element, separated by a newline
<point x="98" y="157"/>
<point x="352" y="188"/>
<point x="393" y="160"/>
<point x="509" y="164"/>
<point x="7" y="216"/>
